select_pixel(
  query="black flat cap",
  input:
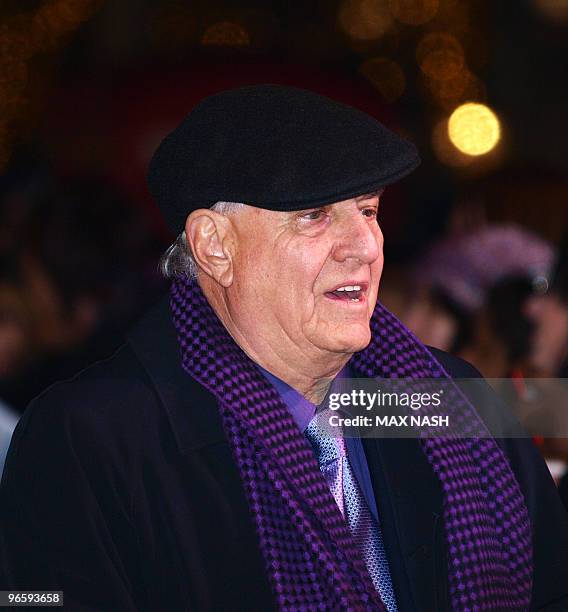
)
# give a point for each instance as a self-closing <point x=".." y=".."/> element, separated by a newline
<point x="274" y="147"/>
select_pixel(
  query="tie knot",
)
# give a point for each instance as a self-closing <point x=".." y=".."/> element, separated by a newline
<point x="321" y="436"/>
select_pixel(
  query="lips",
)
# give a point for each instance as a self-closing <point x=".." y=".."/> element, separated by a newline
<point x="350" y="291"/>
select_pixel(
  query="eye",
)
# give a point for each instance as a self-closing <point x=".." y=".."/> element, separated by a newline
<point x="370" y="212"/>
<point x="313" y="215"/>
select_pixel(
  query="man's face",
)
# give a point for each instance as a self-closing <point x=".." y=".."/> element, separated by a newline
<point x="308" y="279"/>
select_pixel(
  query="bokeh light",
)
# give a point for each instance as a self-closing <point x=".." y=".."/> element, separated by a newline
<point x="55" y="20"/>
<point x="442" y="65"/>
<point x="445" y="151"/>
<point x="450" y="93"/>
<point x="437" y="41"/>
<point x="474" y="129"/>
<point x="555" y="10"/>
<point x="445" y="78"/>
<point x="226" y="34"/>
<point x="447" y="91"/>
<point x="21" y="38"/>
<point x="365" y="20"/>
<point x="440" y="56"/>
<point x="386" y="76"/>
<point x="414" y="12"/>
<point x="474" y="90"/>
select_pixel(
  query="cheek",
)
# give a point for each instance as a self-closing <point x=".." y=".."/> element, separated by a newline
<point x="298" y="264"/>
<point x="253" y="266"/>
<point x="377" y="265"/>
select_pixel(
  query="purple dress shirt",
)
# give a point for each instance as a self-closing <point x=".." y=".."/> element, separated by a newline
<point x="303" y="411"/>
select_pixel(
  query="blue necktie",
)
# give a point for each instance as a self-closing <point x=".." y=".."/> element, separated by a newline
<point x="334" y="464"/>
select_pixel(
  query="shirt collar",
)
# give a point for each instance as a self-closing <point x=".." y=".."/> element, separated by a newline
<point x="302" y="410"/>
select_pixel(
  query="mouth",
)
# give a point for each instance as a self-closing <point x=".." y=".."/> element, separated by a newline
<point x="350" y="292"/>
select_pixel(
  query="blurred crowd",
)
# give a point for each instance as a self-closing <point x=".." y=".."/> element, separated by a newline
<point x="497" y="296"/>
<point x="493" y="296"/>
<point x="77" y="266"/>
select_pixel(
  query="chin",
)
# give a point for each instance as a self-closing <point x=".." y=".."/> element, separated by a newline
<point x="348" y="341"/>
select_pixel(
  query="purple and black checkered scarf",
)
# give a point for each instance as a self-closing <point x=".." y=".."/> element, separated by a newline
<point x="309" y="554"/>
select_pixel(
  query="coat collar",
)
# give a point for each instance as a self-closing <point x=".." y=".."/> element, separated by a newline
<point x="192" y="410"/>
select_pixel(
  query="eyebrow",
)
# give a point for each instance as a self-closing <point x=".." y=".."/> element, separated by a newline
<point x="371" y="194"/>
<point x="365" y="196"/>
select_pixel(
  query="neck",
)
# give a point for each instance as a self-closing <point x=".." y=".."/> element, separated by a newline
<point x="305" y="377"/>
<point x="308" y="372"/>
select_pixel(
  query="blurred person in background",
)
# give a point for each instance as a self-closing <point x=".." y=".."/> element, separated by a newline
<point x="469" y="295"/>
<point x="549" y="313"/>
<point x="77" y="267"/>
<point x="549" y="359"/>
<point x="500" y="331"/>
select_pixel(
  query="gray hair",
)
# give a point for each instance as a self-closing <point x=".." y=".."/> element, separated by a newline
<point x="178" y="259"/>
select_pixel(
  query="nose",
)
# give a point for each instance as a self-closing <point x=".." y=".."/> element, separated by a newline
<point x="359" y="239"/>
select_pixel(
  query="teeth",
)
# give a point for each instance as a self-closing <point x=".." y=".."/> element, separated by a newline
<point x="350" y="288"/>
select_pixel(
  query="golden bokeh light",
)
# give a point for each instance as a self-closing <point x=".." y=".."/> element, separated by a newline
<point x="225" y="34"/>
<point x="474" y="129"/>
<point x="445" y="150"/>
<point x="442" y="65"/>
<point x="448" y="90"/>
<point x="447" y="94"/>
<point x="437" y="41"/>
<point x="413" y="12"/>
<point x="556" y="10"/>
<point x="386" y="76"/>
<point x="474" y="90"/>
<point x="365" y="20"/>
<point x="53" y="21"/>
<point x="22" y="37"/>
<point x="440" y="56"/>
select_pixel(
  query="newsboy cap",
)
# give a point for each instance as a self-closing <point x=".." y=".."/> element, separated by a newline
<point x="274" y="147"/>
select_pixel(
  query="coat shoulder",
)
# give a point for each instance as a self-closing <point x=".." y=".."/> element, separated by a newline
<point x="101" y="408"/>
<point x="456" y="367"/>
<point x="117" y="388"/>
<point x="490" y="406"/>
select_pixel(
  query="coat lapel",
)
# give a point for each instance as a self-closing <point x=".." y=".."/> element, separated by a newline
<point x="409" y="501"/>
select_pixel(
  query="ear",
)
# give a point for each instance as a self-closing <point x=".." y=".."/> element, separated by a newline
<point x="211" y="238"/>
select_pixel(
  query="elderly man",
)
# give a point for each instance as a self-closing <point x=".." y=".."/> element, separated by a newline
<point x="186" y="473"/>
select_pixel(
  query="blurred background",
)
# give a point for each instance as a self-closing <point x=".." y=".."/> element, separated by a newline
<point x="475" y="240"/>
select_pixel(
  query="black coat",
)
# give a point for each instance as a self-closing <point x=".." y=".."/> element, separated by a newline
<point x="120" y="490"/>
